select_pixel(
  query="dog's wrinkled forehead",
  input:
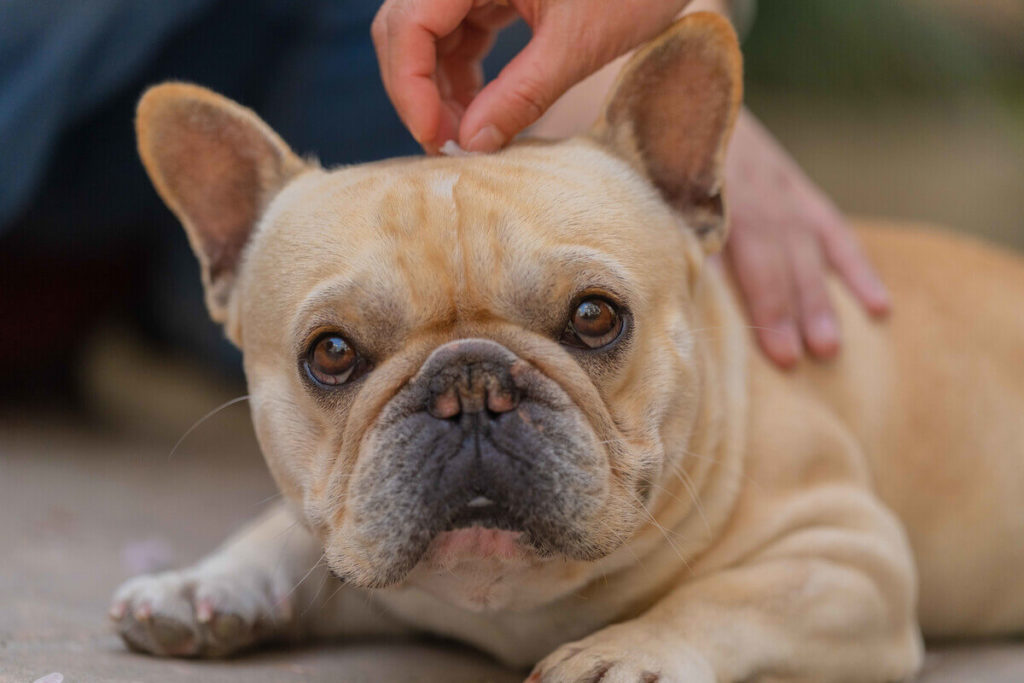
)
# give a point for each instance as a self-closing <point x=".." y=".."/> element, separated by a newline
<point x="643" y="183"/>
<point x="410" y="243"/>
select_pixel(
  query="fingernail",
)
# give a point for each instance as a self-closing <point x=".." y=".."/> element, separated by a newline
<point x="882" y="301"/>
<point x="823" y="334"/>
<point x="487" y="139"/>
<point x="284" y="608"/>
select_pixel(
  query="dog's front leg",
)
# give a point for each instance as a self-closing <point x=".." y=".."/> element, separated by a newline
<point x="830" y="599"/>
<point x="265" y="583"/>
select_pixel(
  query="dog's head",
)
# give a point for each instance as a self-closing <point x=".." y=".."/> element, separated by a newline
<point x="484" y="355"/>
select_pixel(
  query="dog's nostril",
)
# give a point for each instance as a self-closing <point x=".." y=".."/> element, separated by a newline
<point x="470" y="392"/>
<point x="501" y="401"/>
<point x="445" y="405"/>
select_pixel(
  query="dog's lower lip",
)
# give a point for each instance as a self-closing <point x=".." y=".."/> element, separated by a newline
<point x="477" y="542"/>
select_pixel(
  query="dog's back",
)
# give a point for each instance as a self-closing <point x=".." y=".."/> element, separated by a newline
<point x="935" y="395"/>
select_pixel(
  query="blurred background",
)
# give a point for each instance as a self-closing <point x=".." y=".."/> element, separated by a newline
<point x="906" y="108"/>
<point x="899" y="108"/>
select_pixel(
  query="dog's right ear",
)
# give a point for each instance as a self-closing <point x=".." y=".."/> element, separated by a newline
<point x="217" y="166"/>
<point x="671" y="113"/>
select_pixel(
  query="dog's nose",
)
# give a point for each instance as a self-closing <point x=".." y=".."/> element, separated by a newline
<point x="471" y="376"/>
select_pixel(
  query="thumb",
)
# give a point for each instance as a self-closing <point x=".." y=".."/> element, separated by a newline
<point x="521" y="93"/>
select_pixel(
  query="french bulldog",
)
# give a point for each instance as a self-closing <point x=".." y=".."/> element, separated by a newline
<point x="511" y="400"/>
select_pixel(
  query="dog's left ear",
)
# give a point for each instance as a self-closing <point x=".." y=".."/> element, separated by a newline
<point x="217" y="166"/>
<point x="671" y="113"/>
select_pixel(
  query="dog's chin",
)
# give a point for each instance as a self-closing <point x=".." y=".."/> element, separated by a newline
<point x="481" y="542"/>
<point x="478" y="568"/>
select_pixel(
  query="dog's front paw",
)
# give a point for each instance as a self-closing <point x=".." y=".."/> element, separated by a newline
<point x="198" y="613"/>
<point x="626" y="653"/>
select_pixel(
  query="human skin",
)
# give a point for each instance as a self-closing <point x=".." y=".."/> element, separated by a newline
<point x="785" y="232"/>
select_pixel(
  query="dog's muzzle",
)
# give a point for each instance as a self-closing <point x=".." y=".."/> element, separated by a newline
<point x="479" y="437"/>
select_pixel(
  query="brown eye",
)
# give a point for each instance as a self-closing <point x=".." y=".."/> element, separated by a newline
<point x="595" y="323"/>
<point x="331" y="359"/>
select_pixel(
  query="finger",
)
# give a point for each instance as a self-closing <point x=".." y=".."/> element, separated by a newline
<point x="818" y="322"/>
<point x="412" y="29"/>
<point x="492" y="16"/>
<point x="459" y="64"/>
<point x="522" y="92"/>
<point x="844" y="254"/>
<point x="765" y="282"/>
<point x="379" y="38"/>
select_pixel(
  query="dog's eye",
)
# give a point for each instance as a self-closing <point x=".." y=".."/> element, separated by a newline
<point x="331" y="359"/>
<point x="595" y="323"/>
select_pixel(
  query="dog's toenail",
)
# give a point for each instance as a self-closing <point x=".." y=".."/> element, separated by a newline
<point x="117" y="611"/>
<point x="204" y="612"/>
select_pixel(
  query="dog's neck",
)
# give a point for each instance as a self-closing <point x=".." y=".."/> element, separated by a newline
<point x="696" y="493"/>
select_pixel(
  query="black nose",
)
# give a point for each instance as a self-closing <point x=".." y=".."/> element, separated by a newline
<point x="471" y="377"/>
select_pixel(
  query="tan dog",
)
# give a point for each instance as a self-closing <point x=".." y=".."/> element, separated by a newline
<point x="508" y="401"/>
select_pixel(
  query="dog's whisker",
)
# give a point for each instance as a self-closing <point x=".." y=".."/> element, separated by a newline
<point x="312" y="600"/>
<point x="306" y="576"/>
<point x="203" y="419"/>
<point x="625" y="546"/>
<point x="287" y="533"/>
<point x="327" y="600"/>
<point x="664" y="532"/>
<point x="730" y="467"/>
<point x="695" y="497"/>
<point x="266" y="500"/>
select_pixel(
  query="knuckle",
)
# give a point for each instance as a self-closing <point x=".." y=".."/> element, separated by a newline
<point x="809" y="283"/>
<point x="392" y="22"/>
<point x="814" y="300"/>
<point x="808" y="276"/>
<point x="530" y="96"/>
<point x="378" y="31"/>
<point x="765" y="283"/>
<point x="379" y="25"/>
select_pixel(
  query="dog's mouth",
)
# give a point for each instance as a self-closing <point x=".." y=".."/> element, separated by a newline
<point x="482" y="512"/>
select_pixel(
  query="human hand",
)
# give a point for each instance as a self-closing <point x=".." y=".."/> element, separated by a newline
<point x="785" y="234"/>
<point x="430" y="54"/>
